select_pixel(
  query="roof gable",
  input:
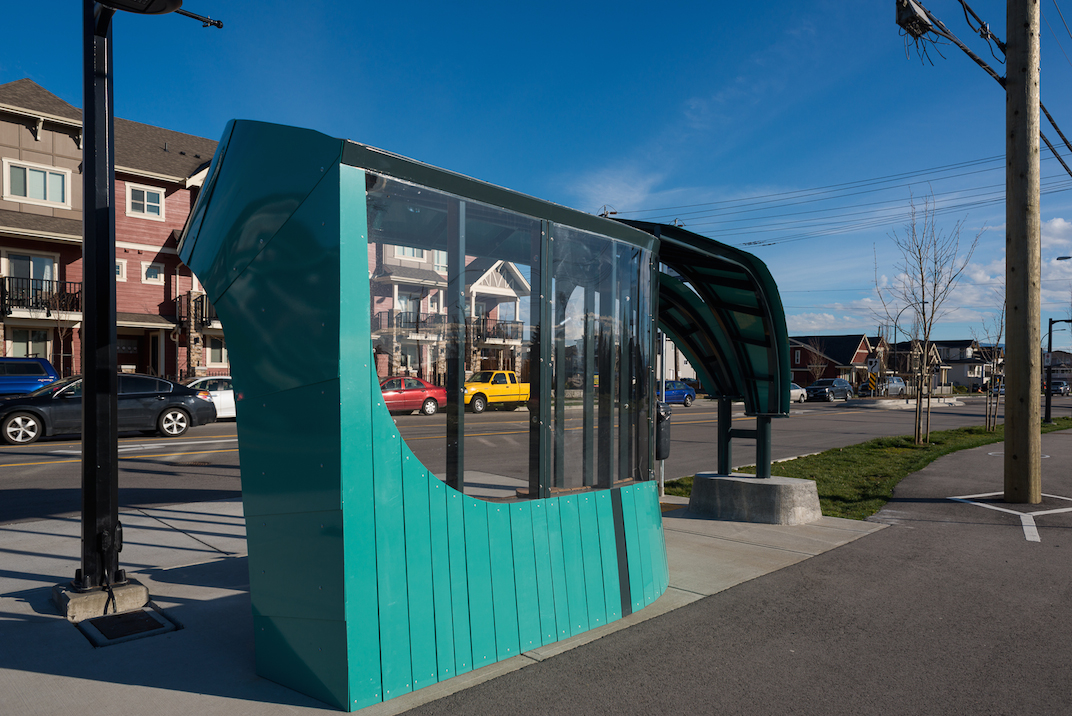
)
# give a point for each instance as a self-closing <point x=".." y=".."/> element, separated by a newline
<point x="138" y="147"/>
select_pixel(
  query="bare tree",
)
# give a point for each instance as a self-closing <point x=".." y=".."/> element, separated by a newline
<point x="931" y="264"/>
<point x="992" y="330"/>
<point x="817" y="364"/>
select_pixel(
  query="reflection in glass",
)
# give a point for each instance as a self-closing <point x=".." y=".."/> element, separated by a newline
<point x="458" y="300"/>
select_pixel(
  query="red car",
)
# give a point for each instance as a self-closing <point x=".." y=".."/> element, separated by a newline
<point x="404" y="395"/>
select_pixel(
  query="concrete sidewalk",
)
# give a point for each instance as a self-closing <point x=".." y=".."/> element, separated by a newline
<point x="191" y="557"/>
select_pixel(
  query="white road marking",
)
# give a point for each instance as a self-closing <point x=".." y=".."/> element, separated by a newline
<point x="1027" y="519"/>
<point x="153" y="446"/>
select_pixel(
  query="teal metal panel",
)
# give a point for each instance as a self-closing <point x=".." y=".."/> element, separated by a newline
<point x="393" y="587"/>
<point x="357" y="387"/>
<point x="422" y="635"/>
<point x="478" y="571"/>
<point x="303" y="258"/>
<point x="558" y="568"/>
<point x="593" y="564"/>
<point x="269" y="464"/>
<point x="526" y="587"/>
<point x="441" y="592"/>
<point x="503" y="592"/>
<point x="608" y="553"/>
<point x="574" y="564"/>
<point x="653" y="528"/>
<point x="302" y="654"/>
<point x="545" y="584"/>
<point x="259" y="193"/>
<point x="632" y="548"/>
<point x="279" y="542"/>
<point x="459" y="582"/>
<point x="643" y="544"/>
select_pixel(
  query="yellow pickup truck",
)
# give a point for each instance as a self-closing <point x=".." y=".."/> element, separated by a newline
<point x="495" y="387"/>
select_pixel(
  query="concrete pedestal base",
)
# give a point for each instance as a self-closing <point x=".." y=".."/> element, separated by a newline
<point x="746" y="498"/>
<point x="77" y="606"/>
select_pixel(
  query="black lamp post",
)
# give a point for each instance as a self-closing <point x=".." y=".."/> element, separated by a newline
<point x="102" y="535"/>
<point x="1049" y="367"/>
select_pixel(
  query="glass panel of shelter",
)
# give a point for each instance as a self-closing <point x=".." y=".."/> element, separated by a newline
<point x="488" y="305"/>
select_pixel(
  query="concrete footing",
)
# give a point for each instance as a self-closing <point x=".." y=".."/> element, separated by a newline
<point x="746" y="498"/>
<point x="77" y="606"/>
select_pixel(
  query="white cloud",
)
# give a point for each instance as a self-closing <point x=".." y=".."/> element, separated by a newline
<point x="1056" y="233"/>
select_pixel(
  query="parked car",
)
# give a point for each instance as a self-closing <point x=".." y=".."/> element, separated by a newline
<point x="403" y="394"/>
<point x="797" y="394"/>
<point x="676" y="392"/>
<point x="19" y="376"/>
<point x="222" y="390"/>
<point x="893" y="385"/>
<point x="830" y="388"/>
<point x="1059" y="387"/>
<point x="145" y="403"/>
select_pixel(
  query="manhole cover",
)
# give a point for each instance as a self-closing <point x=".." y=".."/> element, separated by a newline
<point x="118" y="628"/>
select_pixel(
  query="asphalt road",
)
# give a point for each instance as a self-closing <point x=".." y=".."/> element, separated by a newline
<point x="44" y="479"/>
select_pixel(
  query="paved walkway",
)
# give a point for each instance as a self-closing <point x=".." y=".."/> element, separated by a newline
<point x="936" y="605"/>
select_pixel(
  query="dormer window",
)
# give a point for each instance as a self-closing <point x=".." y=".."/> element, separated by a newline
<point x="145" y="202"/>
<point x="36" y="184"/>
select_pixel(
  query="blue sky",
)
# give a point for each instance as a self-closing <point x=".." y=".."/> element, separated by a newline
<point x="804" y="126"/>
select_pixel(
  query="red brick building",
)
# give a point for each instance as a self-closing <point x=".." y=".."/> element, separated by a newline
<point x="165" y="326"/>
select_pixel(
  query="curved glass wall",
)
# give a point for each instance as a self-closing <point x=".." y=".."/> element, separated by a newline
<point x="532" y="340"/>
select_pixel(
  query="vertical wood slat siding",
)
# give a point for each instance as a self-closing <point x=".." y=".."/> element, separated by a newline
<point x="592" y="564"/>
<point x="558" y="568"/>
<point x="608" y="556"/>
<point x="393" y="587"/>
<point x="545" y="587"/>
<point x="459" y="583"/>
<point x="574" y="565"/>
<point x="422" y="632"/>
<point x="503" y="591"/>
<point x="526" y="587"/>
<point x="441" y="591"/>
<point x="632" y="548"/>
<point x="478" y="570"/>
<point x="359" y="393"/>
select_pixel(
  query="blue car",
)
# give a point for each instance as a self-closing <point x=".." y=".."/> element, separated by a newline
<point x="19" y="376"/>
<point x="676" y="392"/>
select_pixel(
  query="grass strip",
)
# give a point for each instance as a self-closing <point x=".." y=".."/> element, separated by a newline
<point x="856" y="481"/>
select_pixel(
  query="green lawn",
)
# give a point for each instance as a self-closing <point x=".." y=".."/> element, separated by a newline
<point x="856" y="481"/>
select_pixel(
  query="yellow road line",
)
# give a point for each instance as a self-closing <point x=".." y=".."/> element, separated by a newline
<point x="121" y="457"/>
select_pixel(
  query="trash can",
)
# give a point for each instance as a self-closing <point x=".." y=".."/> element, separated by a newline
<point x="662" y="430"/>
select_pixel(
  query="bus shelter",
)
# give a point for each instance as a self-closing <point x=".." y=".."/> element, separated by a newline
<point x="386" y="556"/>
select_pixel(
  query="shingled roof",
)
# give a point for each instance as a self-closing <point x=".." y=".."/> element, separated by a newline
<point x="840" y="349"/>
<point x="138" y="147"/>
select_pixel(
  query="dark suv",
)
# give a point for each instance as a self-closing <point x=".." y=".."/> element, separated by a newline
<point x="829" y="388"/>
<point x="19" y="376"/>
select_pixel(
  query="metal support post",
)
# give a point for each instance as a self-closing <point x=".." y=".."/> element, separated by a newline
<point x="725" y="425"/>
<point x="101" y="531"/>
<point x="763" y="446"/>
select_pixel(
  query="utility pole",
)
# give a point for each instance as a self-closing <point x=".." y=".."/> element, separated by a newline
<point x="1023" y="257"/>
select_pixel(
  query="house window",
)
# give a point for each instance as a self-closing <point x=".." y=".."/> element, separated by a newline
<point x="120" y="269"/>
<point x="217" y="351"/>
<point x="796" y="357"/>
<point x="439" y="258"/>
<point x="152" y="273"/>
<point x="409" y="252"/>
<point x="145" y="202"/>
<point x="27" y="343"/>
<point x="37" y="184"/>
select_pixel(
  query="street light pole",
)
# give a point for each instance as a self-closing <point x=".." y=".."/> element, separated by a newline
<point x="897" y="318"/>
<point x="1049" y="367"/>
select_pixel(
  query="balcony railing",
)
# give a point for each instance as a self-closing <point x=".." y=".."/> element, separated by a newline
<point x="485" y="329"/>
<point x="409" y="321"/>
<point x="54" y="298"/>
<point x="204" y="311"/>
